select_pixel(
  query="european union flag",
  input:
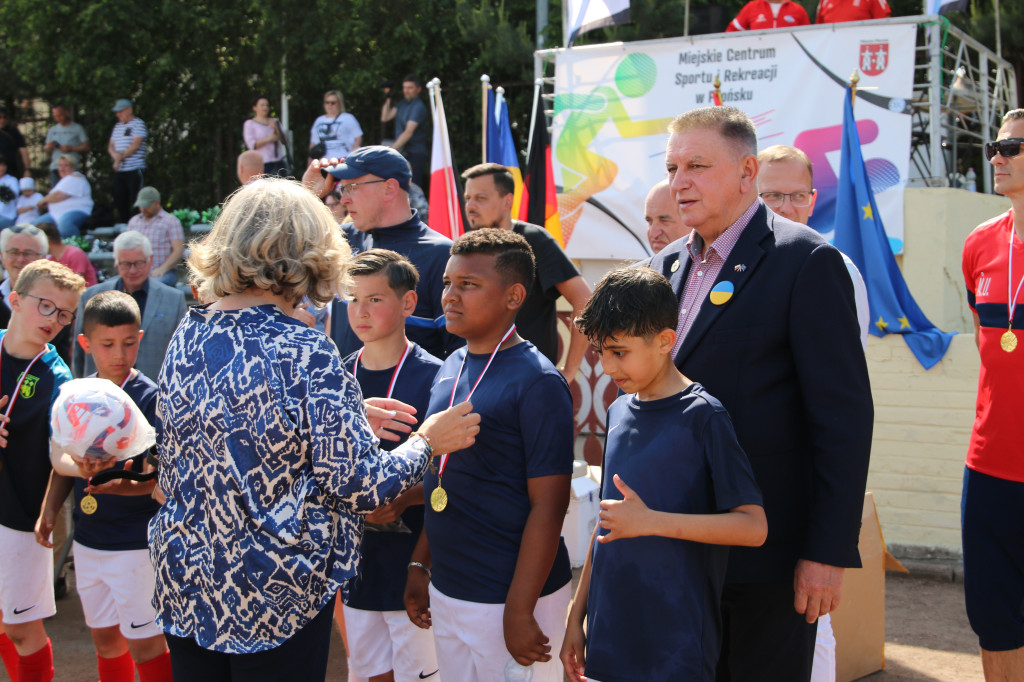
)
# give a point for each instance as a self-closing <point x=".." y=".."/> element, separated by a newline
<point x="860" y="235"/>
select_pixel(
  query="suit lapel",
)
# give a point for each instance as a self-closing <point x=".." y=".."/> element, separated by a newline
<point x="152" y="305"/>
<point x="738" y="269"/>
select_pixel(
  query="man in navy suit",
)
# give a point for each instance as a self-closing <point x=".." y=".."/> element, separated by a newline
<point x="767" y="324"/>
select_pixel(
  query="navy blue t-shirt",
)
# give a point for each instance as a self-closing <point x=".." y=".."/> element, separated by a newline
<point x="526" y="431"/>
<point x="653" y="606"/>
<point x="121" y="522"/>
<point x="25" y="462"/>
<point x="429" y="251"/>
<point x="385" y="555"/>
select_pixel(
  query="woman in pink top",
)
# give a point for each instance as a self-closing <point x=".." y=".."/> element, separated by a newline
<point x="263" y="134"/>
<point x="67" y="254"/>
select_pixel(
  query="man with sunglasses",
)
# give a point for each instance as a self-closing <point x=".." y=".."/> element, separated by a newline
<point x="374" y="186"/>
<point x="993" y="492"/>
<point x="162" y="307"/>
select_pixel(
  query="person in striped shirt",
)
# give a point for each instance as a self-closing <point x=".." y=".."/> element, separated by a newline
<point x="127" y="147"/>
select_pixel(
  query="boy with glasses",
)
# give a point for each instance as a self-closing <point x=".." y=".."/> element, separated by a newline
<point x="31" y="372"/>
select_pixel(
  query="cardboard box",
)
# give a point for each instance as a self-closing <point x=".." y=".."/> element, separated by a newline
<point x="580" y="519"/>
<point x="859" y="622"/>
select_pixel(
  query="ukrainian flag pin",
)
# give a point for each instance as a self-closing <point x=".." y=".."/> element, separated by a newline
<point x="675" y="265"/>
<point x="721" y="293"/>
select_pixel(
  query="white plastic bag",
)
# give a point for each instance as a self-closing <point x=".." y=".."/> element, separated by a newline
<point x="96" y="418"/>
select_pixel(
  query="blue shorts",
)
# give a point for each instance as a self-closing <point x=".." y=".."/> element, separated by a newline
<point x="992" y="523"/>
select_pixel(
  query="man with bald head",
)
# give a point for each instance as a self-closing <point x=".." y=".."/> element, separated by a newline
<point x="767" y="324"/>
<point x="250" y="166"/>
<point x="661" y="212"/>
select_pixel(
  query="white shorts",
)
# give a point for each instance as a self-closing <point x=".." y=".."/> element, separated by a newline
<point x="116" y="588"/>
<point x="470" y="638"/>
<point x="26" y="578"/>
<point x="380" y="641"/>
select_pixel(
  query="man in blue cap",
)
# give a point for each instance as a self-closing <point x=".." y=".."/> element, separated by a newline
<point x="127" y="147"/>
<point x="374" y="186"/>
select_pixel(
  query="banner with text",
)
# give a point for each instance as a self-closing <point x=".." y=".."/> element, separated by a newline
<point x="613" y="104"/>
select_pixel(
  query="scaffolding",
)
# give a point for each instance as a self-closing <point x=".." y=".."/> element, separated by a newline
<point x="959" y="83"/>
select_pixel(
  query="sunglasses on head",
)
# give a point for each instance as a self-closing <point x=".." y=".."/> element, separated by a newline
<point x="1007" y="148"/>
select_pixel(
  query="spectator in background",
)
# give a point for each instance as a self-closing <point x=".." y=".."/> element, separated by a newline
<point x="760" y="14"/>
<point x="67" y="137"/>
<point x="69" y="203"/>
<point x="263" y="134"/>
<point x="9" y="189"/>
<point x="68" y="254"/>
<point x="19" y="246"/>
<point x="664" y="224"/>
<point x="13" y="146"/>
<point x="250" y="166"/>
<point x="127" y="147"/>
<point x="337" y="130"/>
<point x="338" y="210"/>
<point x="164" y="232"/>
<point x="410" y="117"/>
<point x="28" y="200"/>
<point x="162" y="306"/>
<point x="836" y="11"/>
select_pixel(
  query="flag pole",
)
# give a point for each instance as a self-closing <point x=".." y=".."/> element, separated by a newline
<point x="854" y="79"/>
<point x="718" y="91"/>
<point x="485" y="85"/>
<point x="446" y="152"/>
<point x="537" y="84"/>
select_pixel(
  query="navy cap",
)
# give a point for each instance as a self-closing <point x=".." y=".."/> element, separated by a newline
<point x="384" y="162"/>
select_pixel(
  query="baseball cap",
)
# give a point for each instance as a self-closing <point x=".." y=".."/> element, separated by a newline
<point x="26" y="183"/>
<point x="121" y="104"/>
<point x="384" y="162"/>
<point x="147" y="197"/>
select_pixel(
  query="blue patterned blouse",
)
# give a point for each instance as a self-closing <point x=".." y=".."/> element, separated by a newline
<point x="266" y="460"/>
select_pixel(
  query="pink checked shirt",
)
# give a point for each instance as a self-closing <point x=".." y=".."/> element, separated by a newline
<point x="161" y="229"/>
<point x="704" y="271"/>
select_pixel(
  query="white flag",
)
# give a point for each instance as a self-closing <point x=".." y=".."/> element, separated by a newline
<point x="586" y="15"/>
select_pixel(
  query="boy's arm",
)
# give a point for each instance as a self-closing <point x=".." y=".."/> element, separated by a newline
<point x="573" y="652"/>
<point x="629" y="517"/>
<point x="549" y="500"/>
<point x="417" y="594"/>
<point x="85" y="467"/>
<point x="56" y="492"/>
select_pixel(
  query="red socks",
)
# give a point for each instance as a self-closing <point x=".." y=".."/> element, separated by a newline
<point x="37" y="667"/>
<point x="120" y="669"/>
<point x="157" y="669"/>
<point x="10" y="656"/>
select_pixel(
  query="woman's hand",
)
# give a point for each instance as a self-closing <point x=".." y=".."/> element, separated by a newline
<point x="390" y="419"/>
<point x="453" y="429"/>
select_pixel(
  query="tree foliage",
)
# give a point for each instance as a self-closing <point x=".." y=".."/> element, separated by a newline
<point x="193" y="68"/>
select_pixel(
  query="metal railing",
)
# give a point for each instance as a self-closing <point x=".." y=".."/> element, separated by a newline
<point x="958" y="82"/>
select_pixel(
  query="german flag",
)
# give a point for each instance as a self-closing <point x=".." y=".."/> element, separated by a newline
<point x="540" y="200"/>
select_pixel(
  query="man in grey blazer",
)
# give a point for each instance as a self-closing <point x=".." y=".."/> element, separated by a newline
<point x="162" y="306"/>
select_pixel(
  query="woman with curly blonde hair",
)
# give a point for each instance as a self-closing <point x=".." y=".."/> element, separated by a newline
<point x="267" y="457"/>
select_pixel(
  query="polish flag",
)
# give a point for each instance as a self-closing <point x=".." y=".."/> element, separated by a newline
<point x="445" y="194"/>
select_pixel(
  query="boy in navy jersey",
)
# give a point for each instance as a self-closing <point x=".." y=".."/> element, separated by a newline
<point x="384" y="645"/>
<point x="497" y="569"/>
<point x="43" y="302"/>
<point x="651" y="601"/>
<point x="114" y="575"/>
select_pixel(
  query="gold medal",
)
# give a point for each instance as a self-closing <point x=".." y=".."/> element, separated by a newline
<point x="438" y="498"/>
<point x="1008" y="341"/>
<point x="88" y="505"/>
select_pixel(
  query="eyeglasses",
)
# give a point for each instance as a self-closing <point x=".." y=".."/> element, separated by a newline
<point x="1008" y="148"/>
<point x="15" y="254"/>
<point x="132" y="265"/>
<point x="330" y="101"/>
<point x="346" y="190"/>
<point x="46" y="307"/>
<point x="30" y="230"/>
<point x="798" y="199"/>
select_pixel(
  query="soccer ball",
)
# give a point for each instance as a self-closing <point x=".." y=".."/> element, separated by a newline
<point x="96" y="418"/>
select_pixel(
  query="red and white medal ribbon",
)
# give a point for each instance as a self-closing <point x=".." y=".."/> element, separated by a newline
<point x="455" y="386"/>
<point x="394" y="375"/>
